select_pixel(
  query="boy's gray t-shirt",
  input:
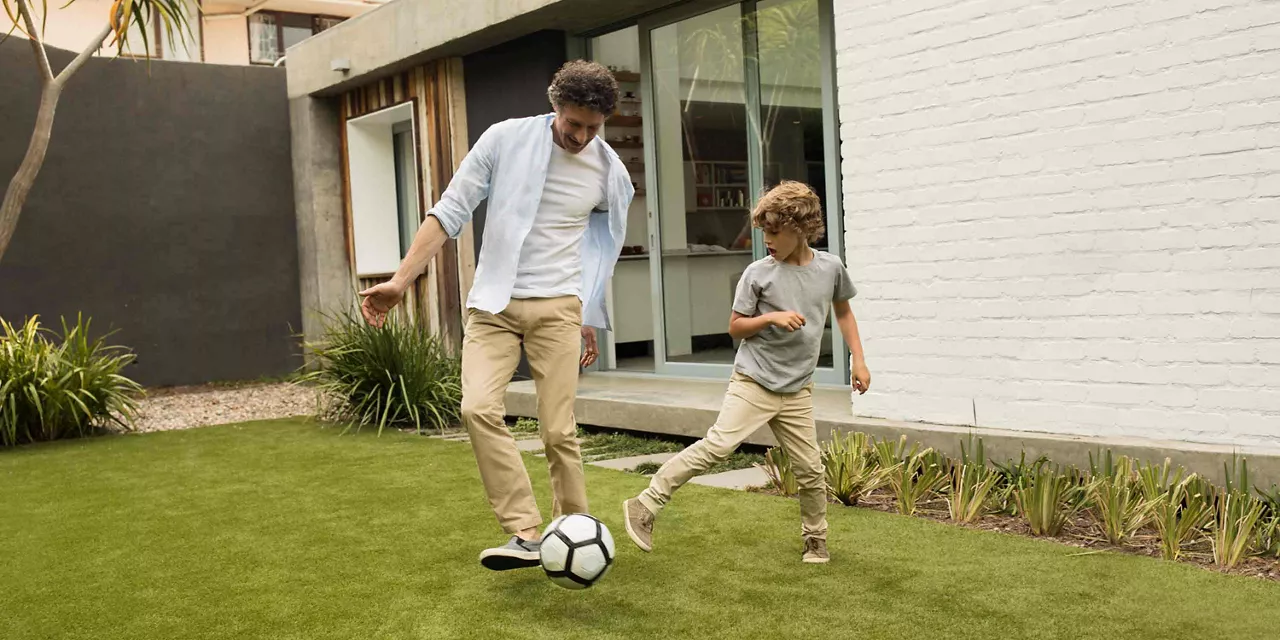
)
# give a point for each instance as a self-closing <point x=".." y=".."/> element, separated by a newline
<point x="779" y="360"/>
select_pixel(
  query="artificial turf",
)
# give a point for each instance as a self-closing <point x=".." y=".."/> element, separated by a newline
<point x="285" y="529"/>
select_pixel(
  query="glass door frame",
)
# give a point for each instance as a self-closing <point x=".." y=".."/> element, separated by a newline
<point x="838" y="374"/>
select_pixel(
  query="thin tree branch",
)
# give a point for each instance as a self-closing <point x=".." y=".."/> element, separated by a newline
<point x="94" y="45"/>
<point x="42" y="59"/>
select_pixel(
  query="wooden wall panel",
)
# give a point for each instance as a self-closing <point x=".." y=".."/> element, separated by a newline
<point x="437" y="299"/>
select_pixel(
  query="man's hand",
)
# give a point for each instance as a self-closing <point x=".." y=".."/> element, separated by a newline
<point x="592" y="352"/>
<point x="861" y="376"/>
<point x="379" y="300"/>
<point x="788" y="320"/>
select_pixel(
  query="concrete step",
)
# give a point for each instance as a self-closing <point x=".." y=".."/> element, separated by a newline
<point x="628" y="463"/>
<point x="738" y="479"/>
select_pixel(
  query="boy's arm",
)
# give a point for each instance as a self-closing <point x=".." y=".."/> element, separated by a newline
<point x="742" y="327"/>
<point x="849" y="330"/>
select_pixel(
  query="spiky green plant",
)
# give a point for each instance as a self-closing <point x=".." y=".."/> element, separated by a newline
<point x="969" y="497"/>
<point x="852" y="470"/>
<point x="777" y="465"/>
<point x="1117" y="499"/>
<point x="1234" y="527"/>
<point x="913" y="475"/>
<point x="1267" y="542"/>
<point x="1180" y="506"/>
<point x="395" y="374"/>
<point x="67" y="385"/>
<point x="1050" y="498"/>
<point x="972" y="483"/>
<point x="1014" y="476"/>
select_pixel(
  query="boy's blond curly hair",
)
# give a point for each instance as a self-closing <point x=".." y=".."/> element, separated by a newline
<point x="791" y="205"/>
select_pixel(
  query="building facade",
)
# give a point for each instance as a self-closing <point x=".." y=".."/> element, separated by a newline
<point x="1062" y="217"/>
<point x="222" y="31"/>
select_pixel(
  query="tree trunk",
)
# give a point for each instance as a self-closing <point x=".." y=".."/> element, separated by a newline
<point x="51" y="89"/>
<point x="20" y="186"/>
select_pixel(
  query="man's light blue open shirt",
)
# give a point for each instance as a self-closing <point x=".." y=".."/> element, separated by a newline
<point x="508" y="165"/>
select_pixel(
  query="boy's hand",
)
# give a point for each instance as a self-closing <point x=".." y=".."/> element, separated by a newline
<point x="861" y="376"/>
<point x="788" y="320"/>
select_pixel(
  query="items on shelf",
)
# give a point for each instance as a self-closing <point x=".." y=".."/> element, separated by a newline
<point x="706" y="248"/>
<point x="635" y="250"/>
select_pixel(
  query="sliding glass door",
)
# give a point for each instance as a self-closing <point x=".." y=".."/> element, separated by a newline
<point x="736" y="98"/>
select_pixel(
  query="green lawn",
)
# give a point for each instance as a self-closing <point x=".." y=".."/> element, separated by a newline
<point x="286" y="530"/>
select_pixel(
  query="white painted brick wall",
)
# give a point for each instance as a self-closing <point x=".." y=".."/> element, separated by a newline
<point x="1066" y="215"/>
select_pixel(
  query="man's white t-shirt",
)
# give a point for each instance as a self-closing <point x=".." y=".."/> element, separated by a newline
<point x="550" y="262"/>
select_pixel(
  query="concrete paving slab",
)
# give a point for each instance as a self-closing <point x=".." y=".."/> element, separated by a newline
<point x="624" y="464"/>
<point x="530" y="445"/>
<point x="738" y="479"/>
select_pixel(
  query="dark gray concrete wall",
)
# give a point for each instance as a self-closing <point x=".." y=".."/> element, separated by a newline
<point x="164" y="210"/>
<point x="509" y="81"/>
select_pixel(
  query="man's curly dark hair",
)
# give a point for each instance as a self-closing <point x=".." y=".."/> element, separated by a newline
<point x="584" y="84"/>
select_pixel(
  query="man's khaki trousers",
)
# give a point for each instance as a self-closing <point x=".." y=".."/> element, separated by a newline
<point x="748" y="407"/>
<point x="550" y="329"/>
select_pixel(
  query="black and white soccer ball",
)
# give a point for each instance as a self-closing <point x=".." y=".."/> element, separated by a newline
<point x="577" y="550"/>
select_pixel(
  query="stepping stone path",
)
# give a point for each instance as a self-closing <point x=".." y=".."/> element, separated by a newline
<point x="629" y="463"/>
<point x="739" y="479"/>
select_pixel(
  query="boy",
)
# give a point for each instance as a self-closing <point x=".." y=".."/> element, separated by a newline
<point x="779" y="314"/>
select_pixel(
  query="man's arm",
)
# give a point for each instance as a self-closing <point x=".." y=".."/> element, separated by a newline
<point x="426" y="243"/>
<point x="469" y="186"/>
<point x="849" y="330"/>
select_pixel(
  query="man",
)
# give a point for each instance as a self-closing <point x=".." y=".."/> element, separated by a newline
<point x="558" y="199"/>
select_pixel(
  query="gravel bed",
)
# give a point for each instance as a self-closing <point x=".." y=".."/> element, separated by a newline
<point x="188" y="407"/>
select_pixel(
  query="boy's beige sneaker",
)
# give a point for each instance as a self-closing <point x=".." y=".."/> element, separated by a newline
<point x="639" y="523"/>
<point x="815" y="551"/>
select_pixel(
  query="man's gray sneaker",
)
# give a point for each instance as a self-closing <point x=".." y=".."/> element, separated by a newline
<point x="639" y="523"/>
<point x="515" y="554"/>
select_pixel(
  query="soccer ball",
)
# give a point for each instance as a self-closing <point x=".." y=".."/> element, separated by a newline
<point x="577" y="550"/>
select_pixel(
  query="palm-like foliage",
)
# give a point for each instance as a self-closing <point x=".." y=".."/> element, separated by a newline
<point x="119" y="25"/>
<point x="54" y="387"/>
<point x="777" y="466"/>
<point x="1050" y="498"/>
<point x="912" y="474"/>
<point x="1180" y="506"/>
<point x="852" y="470"/>
<point x="1117" y="498"/>
<point x="396" y="374"/>
<point x="972" y="484"/>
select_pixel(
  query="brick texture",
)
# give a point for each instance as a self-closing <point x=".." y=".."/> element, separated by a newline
<point x="1065" y="216"/>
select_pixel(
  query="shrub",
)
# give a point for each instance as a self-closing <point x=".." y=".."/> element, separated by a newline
<point x="1235" y="521"/>
<point x="1117" y="498"/>
<point x="851" y="467"/>
<point x="1014" y="476"/>
<point x="1267" y="542"/>
<point x="1236" y="516"/>
<point x="1180" y="507"/>
<point x="913" y="475"/>
<point x="396" y="374"/>
<point x="65" y="387"/>
<point x="1049" y="499"/>
<point x="777" y="465"/>
<point x="972" y="485"/>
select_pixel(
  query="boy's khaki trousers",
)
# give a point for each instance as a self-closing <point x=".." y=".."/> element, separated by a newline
<point x="747" y="407"/>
